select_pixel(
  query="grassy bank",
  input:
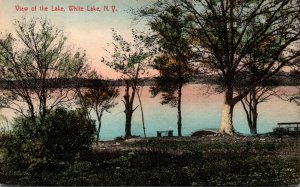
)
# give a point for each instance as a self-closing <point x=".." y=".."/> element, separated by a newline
<point x="172" y="161"/>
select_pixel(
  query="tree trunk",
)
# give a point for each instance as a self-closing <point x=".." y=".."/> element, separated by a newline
<point x="30" y="109"/>
<point x="250" y="103"/>
<point x="179" y="122"/>
<point x="128" y="124"/>
<point x="142" y="111"/>
<point x="99" y="116"/>
<point x="42" y="94"/>
<point x="252" y="123"/>
<point x="82" y="102"/>
<point x="128" y="102"/>
<point x="253" y="127"/>
<point x="226" y="126"/>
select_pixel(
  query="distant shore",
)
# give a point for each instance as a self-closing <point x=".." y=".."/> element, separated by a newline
<point x="282" y="79"/>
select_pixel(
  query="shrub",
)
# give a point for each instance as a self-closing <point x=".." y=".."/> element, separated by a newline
<point x="62" y="135"/>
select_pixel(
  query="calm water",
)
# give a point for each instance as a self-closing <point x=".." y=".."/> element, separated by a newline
<point x="200" y="109"/>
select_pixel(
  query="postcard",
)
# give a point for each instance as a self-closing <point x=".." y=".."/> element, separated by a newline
<point x="149" y="92"/>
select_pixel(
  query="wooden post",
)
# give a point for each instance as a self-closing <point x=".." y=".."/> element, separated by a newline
<point x="297" y="130"/>
<point x="158" y="134"/>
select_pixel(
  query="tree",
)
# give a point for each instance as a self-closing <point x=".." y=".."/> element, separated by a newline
<point x="100" y="99"/>
<point x="99" y="96"/>
<point x="172" y="77"/>
<point x="174" y="65"/>
<point x="228" y="31"/>
<point x="250" y="104"/>
<point x="33" y="64"/>
<point x="129" y="59"/>
<point x="86" y="74"/>
<point x="260" y="93"/>
<point x="175" y="62"/>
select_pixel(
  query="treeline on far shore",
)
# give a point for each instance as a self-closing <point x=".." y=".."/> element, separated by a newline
<point x="281" y="79"/>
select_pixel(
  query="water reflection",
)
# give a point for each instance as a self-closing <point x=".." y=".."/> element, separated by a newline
<point x="199" y="110"/>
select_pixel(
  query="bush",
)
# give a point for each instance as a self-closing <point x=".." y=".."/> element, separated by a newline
<point x="61" y="135"/>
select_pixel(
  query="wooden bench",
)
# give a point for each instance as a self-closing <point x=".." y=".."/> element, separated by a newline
<point x="289" y="127"/>
<point x="167" y="133"/>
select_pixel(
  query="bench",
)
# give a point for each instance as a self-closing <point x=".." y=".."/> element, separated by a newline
<point x="167" y="133"/>
<point x="290" y="127"/>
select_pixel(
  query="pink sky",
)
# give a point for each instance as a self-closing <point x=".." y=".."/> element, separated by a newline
<point x="90" y="31"/>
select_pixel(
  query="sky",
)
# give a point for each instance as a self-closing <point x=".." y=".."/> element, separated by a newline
<point x="86" y="30"/>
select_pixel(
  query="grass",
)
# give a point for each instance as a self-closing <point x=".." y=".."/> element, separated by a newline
<point x="173" y="161"/>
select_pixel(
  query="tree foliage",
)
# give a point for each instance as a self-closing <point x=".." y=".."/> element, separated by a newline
<point x="32" y="58"/>
<point x="100" y="99"/>
<point x="250" y="102"/>
<point x="131" y="60"/>
<point x="176" y="53"/>
<point x="228" y="33"/>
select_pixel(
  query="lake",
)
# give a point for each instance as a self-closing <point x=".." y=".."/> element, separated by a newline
<point x="201" y="109"/>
